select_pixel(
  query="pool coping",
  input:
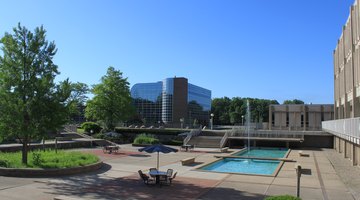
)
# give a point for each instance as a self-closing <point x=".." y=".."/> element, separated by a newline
<point x="274" y="174"/>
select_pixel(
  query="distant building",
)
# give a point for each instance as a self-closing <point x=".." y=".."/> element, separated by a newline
<point x="173" y="102"/>
<point x="300" y="117"/>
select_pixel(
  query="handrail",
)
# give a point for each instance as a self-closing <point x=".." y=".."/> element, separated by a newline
<point x="193" y="133"/>
<point x="187" y="139"/>
<point x="224" y="139"/>
<point x="347" y="129"/>
<point x="271" y="134"/>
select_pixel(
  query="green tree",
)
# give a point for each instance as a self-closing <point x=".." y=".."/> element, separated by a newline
<point x="294" y="101"/>
<point x="77" y="100"/>
<point x="230" y="111"/>
<point x="112" y="101"/>
<point x="220" y="108"/>
<point x="31" y="104"/>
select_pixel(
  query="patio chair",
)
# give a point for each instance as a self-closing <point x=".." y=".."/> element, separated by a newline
<point x="145" y="177"/>
<point x="169" y="173"/>
<point x="172" y="178"/>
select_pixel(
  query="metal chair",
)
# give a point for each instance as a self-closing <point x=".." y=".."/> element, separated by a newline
<point x="145" y="177"/>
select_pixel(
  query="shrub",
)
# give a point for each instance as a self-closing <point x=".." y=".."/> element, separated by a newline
<point x="283" y="197"/>
<point x="88" y="126"/>
<point x="146" y="139"/>
<point x="99" y="135"/>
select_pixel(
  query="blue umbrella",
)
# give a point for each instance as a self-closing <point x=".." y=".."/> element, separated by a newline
<point x="158" y="148"/>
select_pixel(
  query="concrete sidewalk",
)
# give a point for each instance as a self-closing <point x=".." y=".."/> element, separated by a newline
<point x="119" y="179"/>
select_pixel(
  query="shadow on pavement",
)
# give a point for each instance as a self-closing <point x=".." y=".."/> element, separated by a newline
<point x="132" y="187"/>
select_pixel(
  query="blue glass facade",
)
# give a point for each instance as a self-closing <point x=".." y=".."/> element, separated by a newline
<point x="155" y="102"/>
<point x="147" y="98"/>
<point x="199" y="104"/>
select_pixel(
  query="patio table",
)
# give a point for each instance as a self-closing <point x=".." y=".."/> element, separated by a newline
<point x="157" y="175"/>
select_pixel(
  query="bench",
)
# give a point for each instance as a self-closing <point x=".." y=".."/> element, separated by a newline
<point x="301" y="153"/>
<point x="224" y="150"/>
<point x="188" y="161"/>
<point x="110" y="149"/>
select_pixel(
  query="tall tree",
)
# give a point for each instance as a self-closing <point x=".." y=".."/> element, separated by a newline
<point x="112" y="101"/>
<point x="31" y="104"/>
<point x="77" y="100"/>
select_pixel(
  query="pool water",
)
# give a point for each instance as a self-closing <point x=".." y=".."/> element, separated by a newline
<point x="245" y="166"/>
<point x="249" y="166"/>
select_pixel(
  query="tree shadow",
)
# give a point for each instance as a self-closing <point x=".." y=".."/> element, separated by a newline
<point x="132" y="187"/>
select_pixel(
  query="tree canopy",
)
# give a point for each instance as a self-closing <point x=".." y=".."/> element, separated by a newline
<point x="77" y="101"/>
<point x="31" y="103"/>
<point x="112" y="101"/>
<point x="294" y="101"/>
<point x="230" y="111"/>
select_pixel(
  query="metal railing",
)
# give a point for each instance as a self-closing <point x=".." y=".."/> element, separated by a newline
<point x="348" y="129"/>
<point x="268" y="134"/>
<point x="193" y="133"/>
<point x="224" y="139"/>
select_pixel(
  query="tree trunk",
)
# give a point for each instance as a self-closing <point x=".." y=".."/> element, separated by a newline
<point x="25" y="151"/>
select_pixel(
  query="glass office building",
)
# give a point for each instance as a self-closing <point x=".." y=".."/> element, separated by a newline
<point x="172" y="102"/>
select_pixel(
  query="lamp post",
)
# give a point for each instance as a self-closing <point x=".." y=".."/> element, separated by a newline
<point x="182" y="122"/>
<point x="242" y="120"/>
<point x="211" y="120"/>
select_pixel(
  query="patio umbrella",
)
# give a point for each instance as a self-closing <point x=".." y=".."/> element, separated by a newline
<point x="158" y="148"/>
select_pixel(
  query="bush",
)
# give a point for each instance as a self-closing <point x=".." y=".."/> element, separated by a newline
<point x="283" y="197"/>
<point x="99" y="135"/>
<point x="88" y="126"/>
<point x="146" y="139"/>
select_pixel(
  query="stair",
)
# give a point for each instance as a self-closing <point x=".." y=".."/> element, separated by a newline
<point x="206" y="141"/>
<point x="81" y="136"/>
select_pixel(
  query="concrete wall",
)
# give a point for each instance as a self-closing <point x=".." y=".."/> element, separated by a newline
<point x="310" y="141"/>
<point x="299" y="117"/>
<point x="347" y="67"/>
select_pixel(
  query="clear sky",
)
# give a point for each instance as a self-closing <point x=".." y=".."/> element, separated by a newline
<point x="272" y="49"/>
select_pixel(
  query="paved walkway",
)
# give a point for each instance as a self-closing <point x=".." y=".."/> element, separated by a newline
<point x="119" y="179"/>
<point x="346" y="172"/>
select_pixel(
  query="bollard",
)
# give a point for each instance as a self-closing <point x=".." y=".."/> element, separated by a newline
<point x="298" y="175"/>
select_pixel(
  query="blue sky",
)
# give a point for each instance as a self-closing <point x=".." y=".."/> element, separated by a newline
<point x="272" y="49"/>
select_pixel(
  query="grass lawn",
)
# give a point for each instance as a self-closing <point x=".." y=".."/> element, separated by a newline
<point x="47" y="159"/>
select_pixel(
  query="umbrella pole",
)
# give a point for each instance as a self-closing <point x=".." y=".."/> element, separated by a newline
<point x="158" y="161"/>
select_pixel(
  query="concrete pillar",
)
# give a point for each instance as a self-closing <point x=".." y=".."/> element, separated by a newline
<point x="340" y="146"/>
<point x="305" y="112"/>
<point x="287" y="144"/>
<point x="345" y="149"/>
<point x="254" y="143"/>
<point x="353" y="156"/>
<point x="270" y="117"/>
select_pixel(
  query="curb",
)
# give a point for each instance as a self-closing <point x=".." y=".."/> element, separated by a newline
<point x="25" y="172"/>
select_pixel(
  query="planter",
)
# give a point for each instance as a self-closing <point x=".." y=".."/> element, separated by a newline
<point x="25" y="172"/>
